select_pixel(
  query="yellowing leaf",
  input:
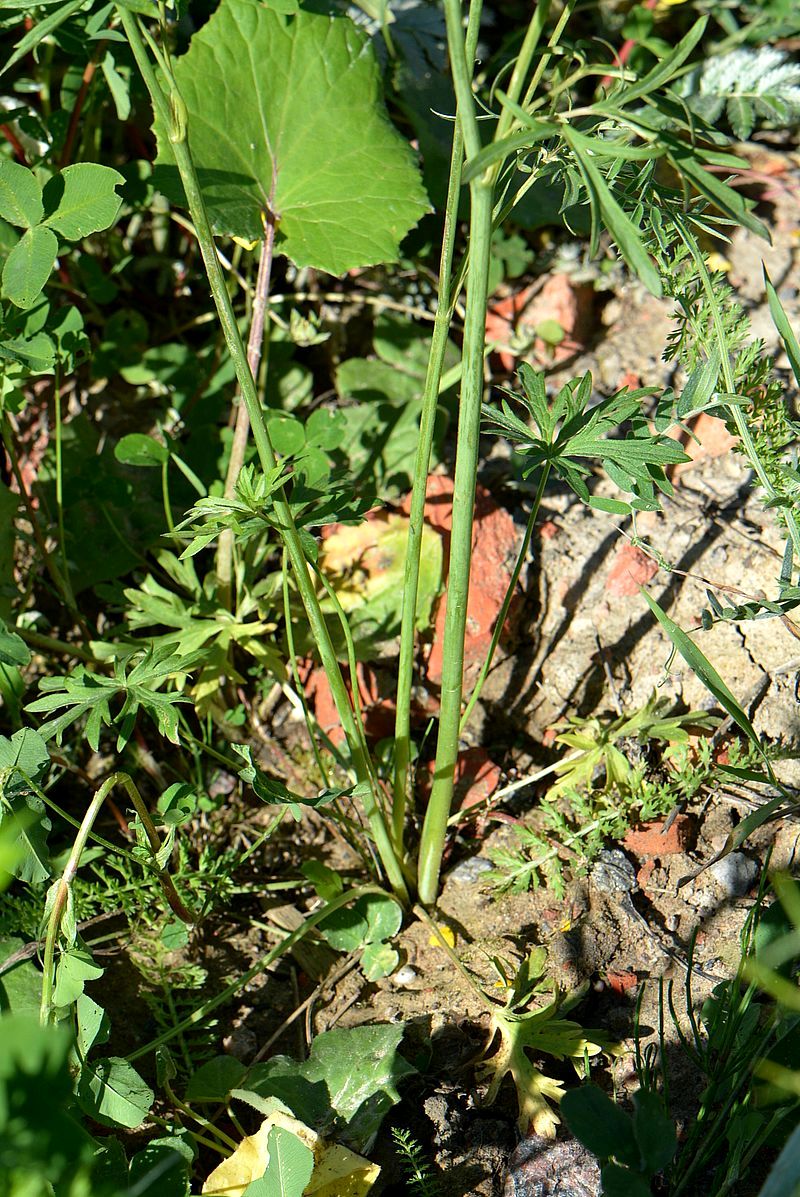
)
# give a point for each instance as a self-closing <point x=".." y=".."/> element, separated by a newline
<point x="540" y="1031"/>
<point x="339" y="1172"/>
<point x="303" y="1163"/>
<point x="248" y="1162"/>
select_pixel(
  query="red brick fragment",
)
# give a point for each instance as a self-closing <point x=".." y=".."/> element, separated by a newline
<point x="494" y="546"/>
<point x="630" y="569"/>
<point x="621" y="982"/>
<point x="650" y="839"/>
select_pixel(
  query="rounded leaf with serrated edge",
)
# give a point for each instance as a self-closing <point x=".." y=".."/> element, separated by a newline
<point x="285" y="115"/>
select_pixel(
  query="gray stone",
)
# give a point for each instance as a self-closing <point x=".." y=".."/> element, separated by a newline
<point x="613" y="873"/>
<point x="735" y="874"/>
<point x="469" y="871"/>
<point x="552" y="1168"/>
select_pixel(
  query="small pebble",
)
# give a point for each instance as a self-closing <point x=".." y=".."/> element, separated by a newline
<point x="735" y="874"/>
<point x="613" y="873"/>
<point x="405" y="976"/>
<point x="469" y="871"/>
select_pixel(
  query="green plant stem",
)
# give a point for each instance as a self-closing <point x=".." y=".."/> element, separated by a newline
<point x="174" y="117"/>
<point x="481" y="198"/>
<point x="165" y="496"/>
<point x="241" y="433"/>
<point x="51" y="645"/>
<point x="202" y="1012"/>
<point x="60" y="582"/>
<point x="64" y="884"/>
<point x="430" y="397"/>
<point x="509" y="595"/>
<point x="287" y="619"/>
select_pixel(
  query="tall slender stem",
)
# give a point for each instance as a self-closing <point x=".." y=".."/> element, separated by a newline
<point x="481" y="196"/>
<point x="174" y="118"/>
<point x="430" y="398"/>
<point x="241" y="432"/>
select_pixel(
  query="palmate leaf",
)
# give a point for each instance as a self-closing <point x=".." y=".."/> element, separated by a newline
<point x="539" y="1031"/>
<point x="285" y="115"/>
<point x="567" y="434"/>
<point x="89" y="695"/>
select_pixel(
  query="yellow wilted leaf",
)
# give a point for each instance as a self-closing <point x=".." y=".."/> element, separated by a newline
<point x="330" y="1170"/>
<point x="341" y="1173"/>
<point x="248" y="1163"/>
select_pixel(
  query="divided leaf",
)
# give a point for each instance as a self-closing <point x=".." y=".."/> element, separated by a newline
<point x="285" y="116"/>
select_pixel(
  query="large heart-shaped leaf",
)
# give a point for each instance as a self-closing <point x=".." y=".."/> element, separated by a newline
<point x="285" y="115"/>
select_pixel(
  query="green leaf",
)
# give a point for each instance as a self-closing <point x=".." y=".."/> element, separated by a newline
<point x="346" y="929"/>
<point x="272" y="791"/>
<point x="86" y="198"/>
<point x="24" y="756"/>
<point x="112" y="1093"/>
<point x="785" y="330"/>
<point x="93" y="1024"/>
<point x="705" y="671"/>
<point x="654" y="1130"/>
<point x="600" y="1125"/>
<point x="289" y="1170"/>
<point x="73" y="970"/>
<point x="666" y="69"/>
<point x="621" y="228"/>
<point x="136" y="449"/>
<point x="214" y="1080"/>
<point x="40" y="1141"/>
<point x="13" y="649"/>
<point x="20" y="195"/>
<point x="20" y="983"/>
<point x="685" y="160"/>
<point x="379" y="960"/>
<point x="782" y="1180"/>
<point x="384" y="916"/>
<point x="353" y="1071"/>
<point x="261" y="89"/>
<point x="40" y="31"/>
<point x="162" y="1167"/>
<point x="28" y="266"/>
<point x="621" y="1182"/>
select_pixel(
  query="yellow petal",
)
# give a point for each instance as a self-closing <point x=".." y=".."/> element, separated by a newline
<point x="446" y="934"/>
